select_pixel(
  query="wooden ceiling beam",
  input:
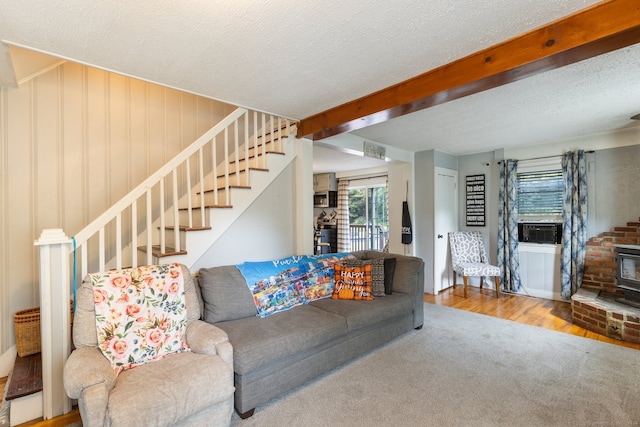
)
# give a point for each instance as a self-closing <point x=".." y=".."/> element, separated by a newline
<point x="600" y="29"/>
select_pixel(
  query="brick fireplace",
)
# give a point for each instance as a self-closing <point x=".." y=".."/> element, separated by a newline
<point x="594" y="306"/>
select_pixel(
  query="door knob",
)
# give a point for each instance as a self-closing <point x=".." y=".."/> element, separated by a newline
<point x="440" y="236"/>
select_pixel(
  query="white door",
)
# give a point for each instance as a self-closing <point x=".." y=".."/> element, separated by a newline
<point x="445" y="220"/>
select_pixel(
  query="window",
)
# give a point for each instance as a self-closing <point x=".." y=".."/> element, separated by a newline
<point x="540" y="195"/>
<point x="368" y="220"/>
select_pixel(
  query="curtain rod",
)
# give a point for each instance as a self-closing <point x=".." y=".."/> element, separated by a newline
<point x="362" y="178"/>
<point x="547" y="157"/>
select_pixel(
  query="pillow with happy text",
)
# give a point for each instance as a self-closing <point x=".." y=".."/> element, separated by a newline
<point x="377" y="273"/>
<point x="352" y="283"/>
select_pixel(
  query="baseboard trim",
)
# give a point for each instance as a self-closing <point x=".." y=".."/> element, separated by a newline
<point x="7" y="360"/>
<point x="540" y="293"/>
<point x="25" y="409"/>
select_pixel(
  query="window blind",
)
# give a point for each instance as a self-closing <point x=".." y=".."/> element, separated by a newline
<point x="540" y="194"/>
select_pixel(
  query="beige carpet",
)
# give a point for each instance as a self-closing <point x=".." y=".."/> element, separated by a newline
<point x="467" y="369"/>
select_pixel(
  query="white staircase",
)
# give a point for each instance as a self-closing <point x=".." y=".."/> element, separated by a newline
<point x="196" y="240"/>
<point x="175" y="215"/>
<point x="178" y="212"/>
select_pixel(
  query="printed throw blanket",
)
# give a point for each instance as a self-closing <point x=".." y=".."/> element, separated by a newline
<point x="279" y="285"/>
<point x="140" y="314"/>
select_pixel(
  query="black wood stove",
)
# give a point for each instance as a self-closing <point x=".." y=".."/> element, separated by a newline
<point x="628" y="273"/>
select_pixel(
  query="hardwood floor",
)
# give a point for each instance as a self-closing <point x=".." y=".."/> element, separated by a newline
<point x="61" y="421"/>
<point x="554" y="315"/>
<point x="548" y="314"/>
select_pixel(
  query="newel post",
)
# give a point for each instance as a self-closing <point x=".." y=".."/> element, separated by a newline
<point x="54" y="247"/>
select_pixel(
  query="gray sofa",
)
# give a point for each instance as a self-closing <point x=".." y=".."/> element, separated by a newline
<point x="275" y="354"/>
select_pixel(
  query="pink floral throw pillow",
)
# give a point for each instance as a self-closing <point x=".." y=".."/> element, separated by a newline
<point x="140" y="314"/>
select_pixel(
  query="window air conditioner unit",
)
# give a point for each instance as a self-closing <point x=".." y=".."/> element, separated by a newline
<point x="539" y="232"/>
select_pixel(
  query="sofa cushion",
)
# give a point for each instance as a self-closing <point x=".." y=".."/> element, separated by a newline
<point x="366" y="313"/>
<point x="405" y="277"/>
<point x="225" y="294"/>
<point x="389" y="270"/>
<point x="260" y="341"/>
<point x="161" y="389"/>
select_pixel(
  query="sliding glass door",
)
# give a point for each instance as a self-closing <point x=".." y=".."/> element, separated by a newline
<point x="368" y="217"/>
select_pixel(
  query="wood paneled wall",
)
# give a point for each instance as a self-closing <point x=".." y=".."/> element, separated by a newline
<point x="73" y="141"/>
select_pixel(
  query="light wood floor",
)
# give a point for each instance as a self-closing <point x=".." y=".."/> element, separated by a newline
<point x="548" y="314"/>
<point x="554" y="315"/>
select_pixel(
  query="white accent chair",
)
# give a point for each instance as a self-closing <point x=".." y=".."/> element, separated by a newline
<point x="469" y="259"/>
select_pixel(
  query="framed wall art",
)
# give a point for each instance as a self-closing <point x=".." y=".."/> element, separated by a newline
<point x="475" y="187"/>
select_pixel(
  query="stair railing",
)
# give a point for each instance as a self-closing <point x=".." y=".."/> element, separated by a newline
<point x="114" y="237"/>
<point x="159" y="195"/>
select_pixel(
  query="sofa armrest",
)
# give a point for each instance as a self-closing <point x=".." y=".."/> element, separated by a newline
<point x="89" y="377"/>
<point x="206" y="338"/>
<point x="408" y="279"/>
<point x="84" y="368"/>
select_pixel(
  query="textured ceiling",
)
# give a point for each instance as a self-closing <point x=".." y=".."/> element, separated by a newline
<point x="300" y="58"/>
<point x="592" y="96"/>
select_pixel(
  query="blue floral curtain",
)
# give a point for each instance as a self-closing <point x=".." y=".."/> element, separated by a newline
<point x="344" y="240"/>
<point x="574" y="228"/>
<point x="508" y="259"/>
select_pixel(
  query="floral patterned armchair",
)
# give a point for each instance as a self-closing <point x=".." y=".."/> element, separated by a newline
<point x="469" y="259"/>
<point x="190" y="385"/>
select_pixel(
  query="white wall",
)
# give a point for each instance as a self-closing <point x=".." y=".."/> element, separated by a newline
<point x="303" y="202"/>
<point x="423" y="220"/>
<point x="423" y="210"/>
<point x="265" y="231"/>
<point x="482" y="164"/>
<point x="400" y="179"/>
<point x="615" y="195"/>
<point x="73" y="141"/>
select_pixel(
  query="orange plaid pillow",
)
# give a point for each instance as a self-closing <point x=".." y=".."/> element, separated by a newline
<point x="352" y="282"/>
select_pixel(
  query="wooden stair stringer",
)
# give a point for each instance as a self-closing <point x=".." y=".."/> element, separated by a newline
<point x="197" y="243"/>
